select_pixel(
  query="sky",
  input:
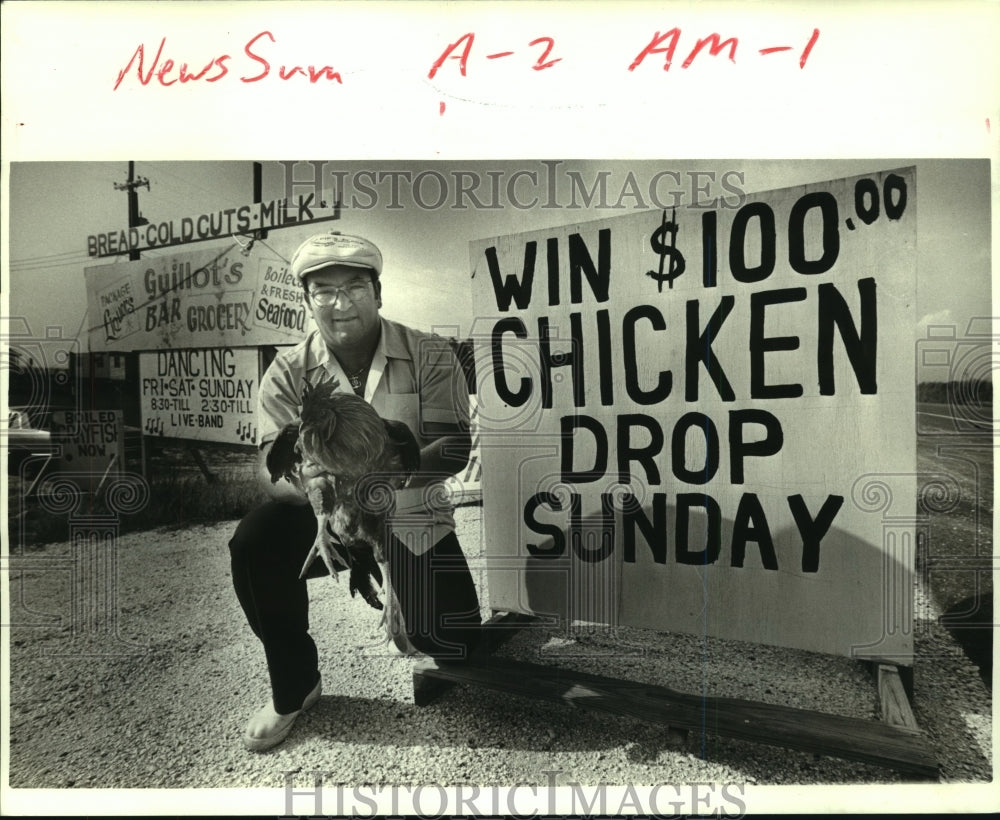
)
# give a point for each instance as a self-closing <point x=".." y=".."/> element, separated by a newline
<point x="56" y="206"/>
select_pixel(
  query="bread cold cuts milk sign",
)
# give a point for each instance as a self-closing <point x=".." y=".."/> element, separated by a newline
<point x="680" y="412"/>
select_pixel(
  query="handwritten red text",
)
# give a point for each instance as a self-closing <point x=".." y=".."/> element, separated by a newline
<point x="542" y="47"/>
<point x="666" y="44"/>
<point x="167" y="71"/>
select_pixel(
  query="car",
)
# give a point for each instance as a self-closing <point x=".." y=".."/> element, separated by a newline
<point x="21" y="440"/>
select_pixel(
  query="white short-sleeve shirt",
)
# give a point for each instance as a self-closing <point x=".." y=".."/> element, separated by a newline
<point x="414" y="378"/>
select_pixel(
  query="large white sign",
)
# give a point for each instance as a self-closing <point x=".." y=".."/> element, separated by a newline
<point x="207" y="395"/>
<point x="686" y="417"/>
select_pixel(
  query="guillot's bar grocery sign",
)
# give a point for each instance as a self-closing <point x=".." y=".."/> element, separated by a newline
<point x="207" y="298"/>
<point x="688" y="417"/>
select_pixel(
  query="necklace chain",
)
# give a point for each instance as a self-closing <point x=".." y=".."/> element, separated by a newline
<point x="355" y="378"/>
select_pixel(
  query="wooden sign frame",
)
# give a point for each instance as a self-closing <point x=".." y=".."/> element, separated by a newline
<point x="896" y="741"/>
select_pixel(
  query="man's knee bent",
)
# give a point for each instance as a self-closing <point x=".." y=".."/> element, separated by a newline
<point x="274" y="525"/>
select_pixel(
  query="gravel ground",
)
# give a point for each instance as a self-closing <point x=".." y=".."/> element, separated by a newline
<point x="164" y="704"/>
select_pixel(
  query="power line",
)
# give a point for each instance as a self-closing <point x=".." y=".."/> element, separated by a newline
<point x="45" y="256"/>
<point x="38" y="266"/>
<point x="185" y="183"/>
<point x="272" y="250"/>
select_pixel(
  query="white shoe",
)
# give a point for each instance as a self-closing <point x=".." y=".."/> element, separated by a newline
<point x="267" y="728"/>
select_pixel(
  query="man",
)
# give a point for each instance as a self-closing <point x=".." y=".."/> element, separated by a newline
<point x="407" y="376"/>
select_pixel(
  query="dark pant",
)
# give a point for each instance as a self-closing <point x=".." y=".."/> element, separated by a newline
<point x="437" y="597"/>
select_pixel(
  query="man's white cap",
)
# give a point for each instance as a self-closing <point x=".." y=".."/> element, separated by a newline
<point x="335" y="248"/>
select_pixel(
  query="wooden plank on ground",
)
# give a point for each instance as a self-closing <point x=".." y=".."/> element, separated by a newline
<point x="496" y="632"/>
<point x="901" y="748"/>
<point x="896" y="709"/>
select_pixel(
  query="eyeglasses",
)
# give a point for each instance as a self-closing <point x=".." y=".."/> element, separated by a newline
<point x="327" y="296"/>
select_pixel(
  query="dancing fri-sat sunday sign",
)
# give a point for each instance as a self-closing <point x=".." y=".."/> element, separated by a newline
<point x="208" y="394"/>
<point x="683" y="414"/>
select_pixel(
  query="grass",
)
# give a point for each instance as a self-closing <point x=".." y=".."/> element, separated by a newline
<point x="175" y="503"/>
<point x="179" y="501"/>
<point x="179" y="495"/>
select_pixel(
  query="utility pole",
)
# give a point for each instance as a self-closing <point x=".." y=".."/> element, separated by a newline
<point x="258" y="190"/>
<point x="135" y="220"/>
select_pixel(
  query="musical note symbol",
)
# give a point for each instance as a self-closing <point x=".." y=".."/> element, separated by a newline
<point x="656" y="241"/>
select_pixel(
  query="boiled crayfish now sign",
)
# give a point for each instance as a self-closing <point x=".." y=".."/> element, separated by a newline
<point x="680" y="412"/>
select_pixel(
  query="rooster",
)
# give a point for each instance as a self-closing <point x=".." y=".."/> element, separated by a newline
<point x="349" y="461"/>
